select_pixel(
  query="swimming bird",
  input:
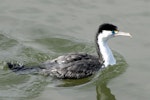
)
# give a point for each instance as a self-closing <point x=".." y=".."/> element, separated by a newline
<point x="78" y="65"/>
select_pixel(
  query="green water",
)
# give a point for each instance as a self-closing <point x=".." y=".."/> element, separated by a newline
<point x="33" y="31"/>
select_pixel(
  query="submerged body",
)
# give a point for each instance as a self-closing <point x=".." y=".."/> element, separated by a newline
<point x="70" y="66"/>
<point x="78" y="65"/>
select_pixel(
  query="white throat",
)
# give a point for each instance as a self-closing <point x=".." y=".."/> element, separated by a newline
<point x="106" y="51"/>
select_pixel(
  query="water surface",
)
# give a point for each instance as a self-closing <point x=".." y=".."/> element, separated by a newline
<point x="33" y="31"/>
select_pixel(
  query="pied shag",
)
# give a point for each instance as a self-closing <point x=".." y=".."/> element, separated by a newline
<point x="78" y="65"/>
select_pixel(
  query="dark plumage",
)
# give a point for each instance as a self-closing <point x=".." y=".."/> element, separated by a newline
<point x="77" y="65"/>
<point x="107" y="26"/>
<point x="72" y="66"/>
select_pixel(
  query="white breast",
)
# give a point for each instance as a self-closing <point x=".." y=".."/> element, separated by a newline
<point x="106" y="52"/>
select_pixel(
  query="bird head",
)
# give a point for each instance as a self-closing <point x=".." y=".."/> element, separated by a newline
<point x="107" y="31"/>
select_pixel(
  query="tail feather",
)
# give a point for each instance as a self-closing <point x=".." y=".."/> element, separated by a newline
<point x="22" y="69"/>
<point x="15" y="67"/>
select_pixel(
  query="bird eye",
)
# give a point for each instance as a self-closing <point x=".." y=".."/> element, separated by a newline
<point x="115" y="31"/>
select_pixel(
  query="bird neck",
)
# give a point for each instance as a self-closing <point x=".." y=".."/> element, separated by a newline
<point x="106" y="52"/>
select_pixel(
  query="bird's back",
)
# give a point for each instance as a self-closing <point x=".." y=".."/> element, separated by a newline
<point x="76" y="65"/>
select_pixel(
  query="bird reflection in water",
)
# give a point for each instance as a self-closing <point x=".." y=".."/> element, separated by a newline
<point x="104" y="93"/>
<point x="102" y="90"/>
